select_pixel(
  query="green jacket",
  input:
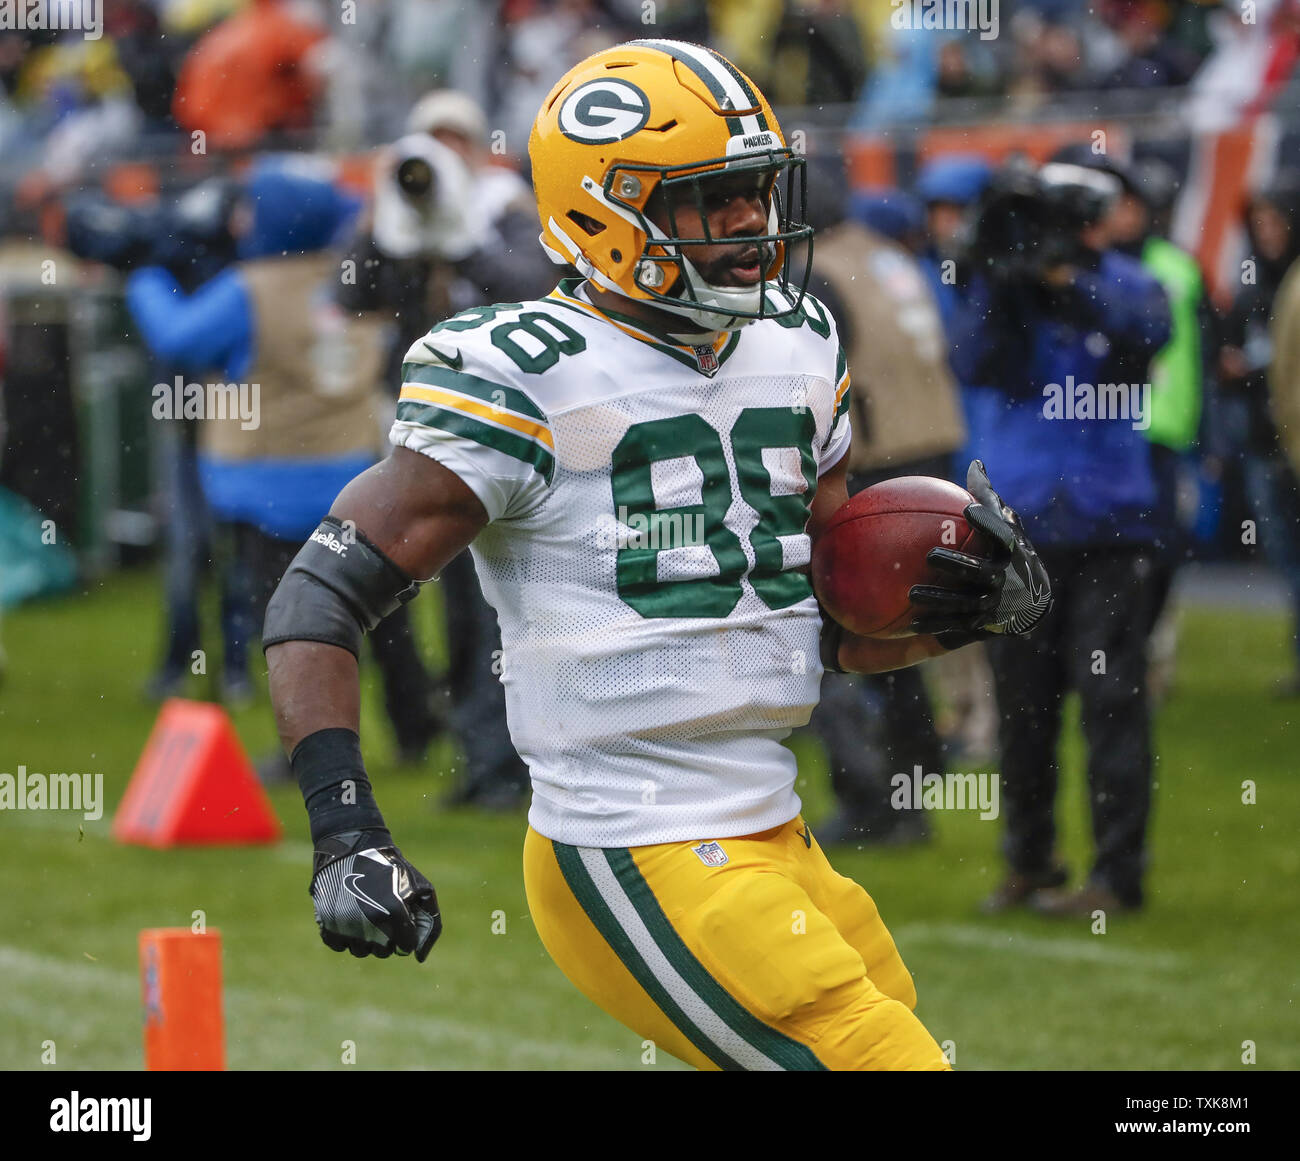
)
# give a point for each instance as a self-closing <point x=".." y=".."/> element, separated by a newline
<point x="1177" y="370"/>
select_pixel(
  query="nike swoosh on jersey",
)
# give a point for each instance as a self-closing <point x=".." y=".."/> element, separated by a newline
<point x="454" y="362"/>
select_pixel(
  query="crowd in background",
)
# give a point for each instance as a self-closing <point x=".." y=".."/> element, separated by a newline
<point x="944" y="368"/>
<point x="338" y="75"/>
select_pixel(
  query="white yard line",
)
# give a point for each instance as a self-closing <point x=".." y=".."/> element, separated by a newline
<point x="255" y="1008"/>
<point x="1092" y="949"/>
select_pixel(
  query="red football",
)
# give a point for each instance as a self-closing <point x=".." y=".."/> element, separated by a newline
<point x="873" y="551"/>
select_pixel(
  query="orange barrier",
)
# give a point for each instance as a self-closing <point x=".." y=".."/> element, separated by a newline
<point x="180" y="984"/>
<point x="194" y="784"/>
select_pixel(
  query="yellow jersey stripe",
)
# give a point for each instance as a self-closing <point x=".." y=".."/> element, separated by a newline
<point x="499" y="415"/>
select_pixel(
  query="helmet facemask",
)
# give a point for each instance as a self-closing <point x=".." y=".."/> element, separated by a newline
<point x="665" y="271"/>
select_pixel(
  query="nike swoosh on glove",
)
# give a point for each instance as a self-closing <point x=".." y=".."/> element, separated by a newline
<point x="369" y="900"/>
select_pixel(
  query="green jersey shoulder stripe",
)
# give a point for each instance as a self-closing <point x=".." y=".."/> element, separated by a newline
<point x="497" y="394"/>
<point x="521" y="447"/>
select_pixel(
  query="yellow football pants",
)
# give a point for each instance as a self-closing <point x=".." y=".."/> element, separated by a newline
<point x="769" y="960"/>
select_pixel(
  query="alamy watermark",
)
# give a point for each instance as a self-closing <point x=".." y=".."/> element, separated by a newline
<point x="88" y="1114"/>
<point x="653" y="530"/>
<point x="949" y="15"/>
<point x="84" y="16"/>
<point x="1127" y="401"/>
<point x="28" y="790"/>
<point x="181" y="400"/>
<point x="948" y="791"/>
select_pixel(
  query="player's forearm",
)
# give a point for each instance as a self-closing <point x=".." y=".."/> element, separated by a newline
<point x="313" y="687"/>
<point x="877" y="655"/>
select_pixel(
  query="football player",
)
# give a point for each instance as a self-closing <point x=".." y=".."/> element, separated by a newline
<point x="641" y="461"/>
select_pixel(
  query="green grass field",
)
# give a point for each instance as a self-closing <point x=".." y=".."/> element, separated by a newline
<point x="1210" y="964"/>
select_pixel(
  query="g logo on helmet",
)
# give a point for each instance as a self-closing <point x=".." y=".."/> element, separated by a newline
<point x="602" y="112"/>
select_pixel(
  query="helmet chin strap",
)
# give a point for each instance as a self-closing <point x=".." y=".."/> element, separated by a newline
<point x="715" y="306"/>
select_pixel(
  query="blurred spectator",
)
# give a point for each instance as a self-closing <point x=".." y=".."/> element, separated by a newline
<point x="191" y="18"/>
<point x="1048" y="310"/>
<point x="540" y="40"/>
<point x="146" y="57"/>
<point x="815" y="55"/>
<point x="967" y="68"/>
<point x="1048" y="57"/>
<point x="906" y="421"/>
<point x="1137" y="226"/>
<point x="440" y="42"/>
<point x="1244" y="410"/>
<point x="1180" y="375"/>
<point x="1250" y="61"/>
<point x="507" y="264"/>
<point x="251" y="76"/>
<point x="192" y="238"/>
<point x="1151" y="58"/>
<point x="76" y="104"/>
<point x="902" y="86"/>
<point x="1284" y="370"/>
<point x="893" y="214"/>
<point x="450" y="231"/>
<point x="948" y="187"/>
<point x="309" y="373"/>
<point x="40" y="445"/>
<point x="375" y="67"/>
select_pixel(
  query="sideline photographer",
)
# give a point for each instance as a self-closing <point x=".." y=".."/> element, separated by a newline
<point x="1056" y="333"/>
<point x="450" y="231"/>
<point x="191" y="239"/>
<point x="267" y="324"/>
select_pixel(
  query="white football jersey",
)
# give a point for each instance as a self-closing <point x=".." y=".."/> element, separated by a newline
<point x="646" y="552"/>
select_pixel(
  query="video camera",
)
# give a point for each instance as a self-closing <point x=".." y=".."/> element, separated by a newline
<point x="190" y="236"/>
<point x="1029" y="219"/>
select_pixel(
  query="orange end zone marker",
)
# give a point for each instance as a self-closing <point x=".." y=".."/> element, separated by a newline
<point x="194" y="784"/>
<point x="180" y="984"/>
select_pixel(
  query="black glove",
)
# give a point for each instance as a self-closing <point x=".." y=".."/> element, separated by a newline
<point x="369" y="900"/>
<point x="1006" y="593"/>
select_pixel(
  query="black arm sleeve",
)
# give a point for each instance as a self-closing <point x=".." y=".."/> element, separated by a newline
<point x="338" y="587"/>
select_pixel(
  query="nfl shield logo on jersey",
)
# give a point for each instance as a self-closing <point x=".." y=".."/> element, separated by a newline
<point x="711" y="854"/>
<point x="707" y="358"/>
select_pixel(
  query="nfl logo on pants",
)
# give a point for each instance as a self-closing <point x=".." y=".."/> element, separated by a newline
<point x="711" y="854"/>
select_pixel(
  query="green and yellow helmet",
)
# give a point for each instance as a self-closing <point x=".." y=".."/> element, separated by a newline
<point x="657" y="119"/>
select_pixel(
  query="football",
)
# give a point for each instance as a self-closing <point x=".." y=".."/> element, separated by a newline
<point x="873" y="551"/>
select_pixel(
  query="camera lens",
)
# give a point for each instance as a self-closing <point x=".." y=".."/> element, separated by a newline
<point x="415" y="177"/>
